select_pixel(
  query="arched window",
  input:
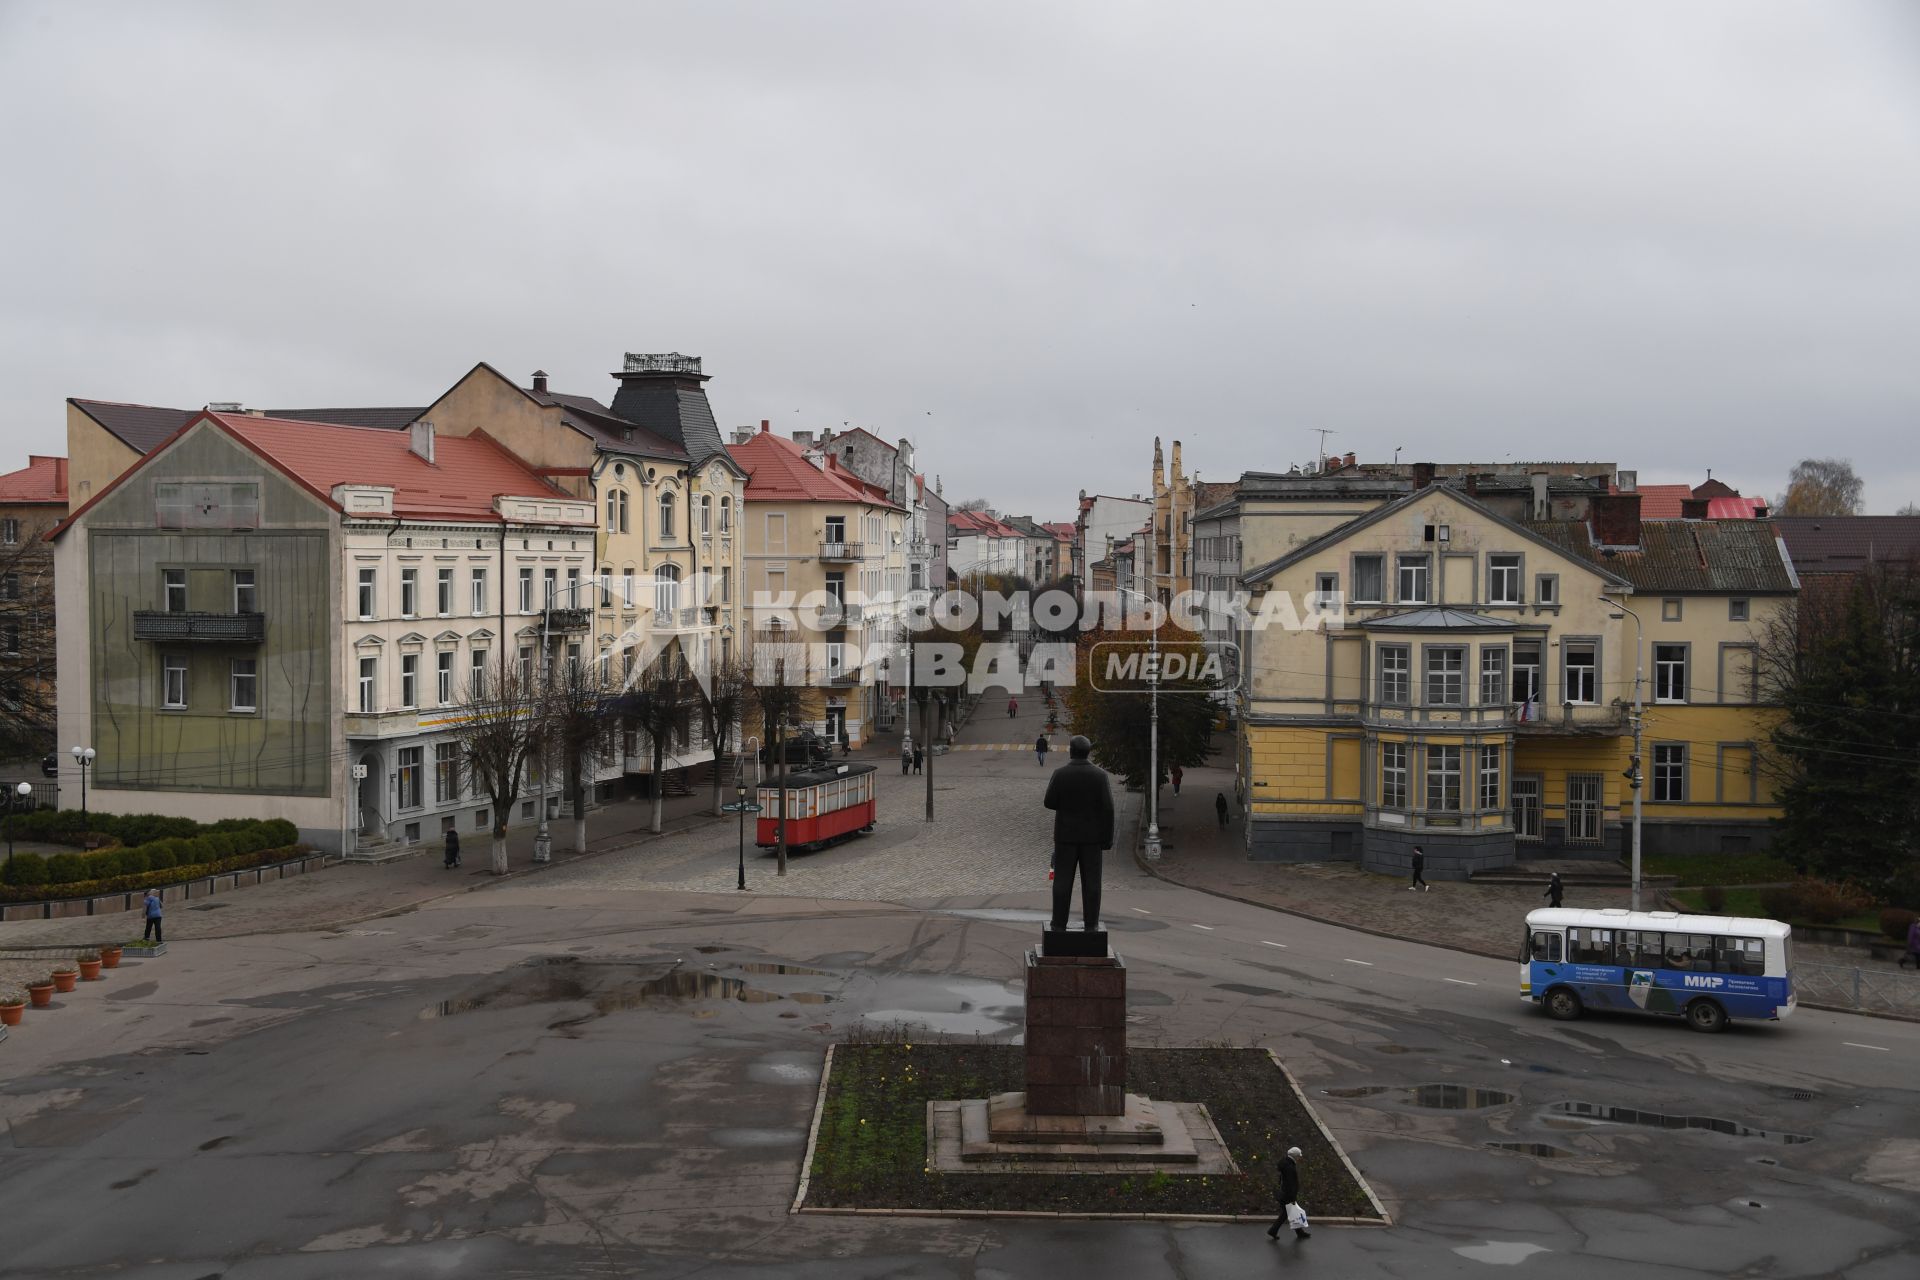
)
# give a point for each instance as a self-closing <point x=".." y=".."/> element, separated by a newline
<point x="606" y="586"/>
<point x="666" y="515"/>
<point x="706" y="513"/>
<point x="617" y="511"/>
<point x="726" y="515"/>
<point x="666" y="589"/>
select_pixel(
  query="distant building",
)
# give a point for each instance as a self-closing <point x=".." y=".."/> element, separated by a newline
<point x="1101" y="521"/>
<point x="979" y="544"/>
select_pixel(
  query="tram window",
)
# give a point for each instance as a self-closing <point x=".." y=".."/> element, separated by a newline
<point x="1546" y="946"/>
<point x="1590" y="946"/>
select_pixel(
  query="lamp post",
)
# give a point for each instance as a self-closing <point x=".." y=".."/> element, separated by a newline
<point x="21" y="793"/>
<point x="740" y="798"/>
<point x="83" y="756"/>
<point x="1152" y="850"/>
<point x="1634" y="773"/>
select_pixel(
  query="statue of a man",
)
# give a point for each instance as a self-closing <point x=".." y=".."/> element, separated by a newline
<point x="1081" y="798"/>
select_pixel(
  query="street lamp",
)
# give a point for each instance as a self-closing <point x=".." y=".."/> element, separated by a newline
<point x="1152" y="850"/>
<point x="21" y="793"/>
<point x="1635" y="774"/>
<point x="83" y="756"/>
<point x="740" y="799"/>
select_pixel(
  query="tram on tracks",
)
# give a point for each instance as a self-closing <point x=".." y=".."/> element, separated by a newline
<point x="823" y="806"/>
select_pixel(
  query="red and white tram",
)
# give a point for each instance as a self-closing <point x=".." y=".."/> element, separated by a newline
<point x="823" y="806"/>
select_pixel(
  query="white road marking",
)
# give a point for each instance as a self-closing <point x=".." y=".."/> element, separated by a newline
<point x="1143" y="911"/>
<point x="1265" y="943"/>
<point x="1462" y="981"/>
<point x="1207" y="927"/>
<point x="1877" y="1048"/>
<point x="1367" y="963"/>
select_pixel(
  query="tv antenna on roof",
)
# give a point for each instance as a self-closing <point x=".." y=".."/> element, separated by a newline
<point x="1324" y="433"/>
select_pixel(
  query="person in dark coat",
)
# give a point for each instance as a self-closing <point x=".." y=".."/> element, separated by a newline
<point x="1288" y="1194"/>
<point x="1081" y="798"/>
<point x="918" y="756"/>
<point x="453" y="849"/>
<point x="1040" y="748"/>
<point x="1220" y="807"/>
<point x="1554" y="890"/>
<point x="1175" y="775"/>
<point x="1419" y="865"/>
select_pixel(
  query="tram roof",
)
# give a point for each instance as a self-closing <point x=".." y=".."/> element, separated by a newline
<point x="814" y="777"/>
<point x="1669" y="921"/>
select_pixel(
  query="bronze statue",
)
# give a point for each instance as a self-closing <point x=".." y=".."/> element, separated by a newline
<point x="1081" y="798"/>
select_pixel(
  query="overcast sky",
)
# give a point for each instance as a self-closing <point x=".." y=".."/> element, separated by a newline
<point x="1031" y="236"/>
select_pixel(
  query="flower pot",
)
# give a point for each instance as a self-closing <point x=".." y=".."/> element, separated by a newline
<point x="90" y="970"/>
<point x="64" y="979"/>
<point x="10" y="1014"/>
<point x="41" y="993"/>
<point x="110" y="957"/>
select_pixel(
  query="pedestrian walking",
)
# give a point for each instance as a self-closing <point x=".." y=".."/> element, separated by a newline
<point x="1013" y="707"/>
<point x="1175" y="774"/>
<point x="1220" y="807"/>
<point x="906" y="760"/>
<point x="1913" y="945"/>
<point x="949" y="735"/>
<point x="453" y="849"/>
<point x="917" y="757"/>
<point x="1040" y="749"/>
<point x="846" y="743"/>
<point x="153" y="932"/>
<point x="1419" y="866"/>
<point x="1288" y="1193"/>
<point x="1554" y="890"/>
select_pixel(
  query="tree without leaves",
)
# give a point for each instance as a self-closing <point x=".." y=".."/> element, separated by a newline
<point x="498" y="732"/>
<point x="658" y="704"/>
<point x="576" y="712"/>
<point x="729" y="696"/>
<point x="782" y="670"/>
<point x="27" y="658"/>
<point x="1821" y="487"/>
<point x="1911" y="509"/>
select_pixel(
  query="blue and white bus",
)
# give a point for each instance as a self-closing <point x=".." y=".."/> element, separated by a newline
<point x="1705" y="969"/>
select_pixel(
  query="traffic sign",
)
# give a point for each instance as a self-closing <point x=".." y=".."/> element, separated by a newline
<point x="748" y="807"/>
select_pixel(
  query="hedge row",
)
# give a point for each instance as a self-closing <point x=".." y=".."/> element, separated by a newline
<point x="70" y="826"/>
<point x="172" y="854"/>
<point x="152" y="879"/>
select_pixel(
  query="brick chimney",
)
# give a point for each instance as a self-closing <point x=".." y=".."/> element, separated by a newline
<point x="1616" y="519"/>
<point x="1422" y="474"/>
<point x="1693" y="508"/>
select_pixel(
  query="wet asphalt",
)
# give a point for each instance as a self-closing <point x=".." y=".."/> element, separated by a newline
<point x="540" y="1082"/>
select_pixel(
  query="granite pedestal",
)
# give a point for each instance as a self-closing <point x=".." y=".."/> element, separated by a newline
<point x="1076" y="1035"/>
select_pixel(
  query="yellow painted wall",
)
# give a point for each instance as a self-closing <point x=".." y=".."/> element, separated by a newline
<point x="95" y="457"/>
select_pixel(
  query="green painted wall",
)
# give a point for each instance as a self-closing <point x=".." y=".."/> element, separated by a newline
<point x="283" y="748"/>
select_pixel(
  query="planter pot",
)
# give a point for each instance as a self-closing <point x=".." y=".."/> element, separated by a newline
<point x="110" y="957"/>
<point x="90" y="970"/>
<point x="10" y="1014"/>
<point x="41" y="993"/>
<point x="63" y="982"/>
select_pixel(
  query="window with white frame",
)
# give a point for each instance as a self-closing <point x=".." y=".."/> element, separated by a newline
<point x="1503" y="579"/>
<point x="1670" y="673"/>
<point x="477" y="673"/>
<point x="524" y="663"/>
<point x="1669" y="772"/>
<point x="246" y="595"/>
<point x="1489" y="778"/>
<point x="1493" y="676"/>
<point x="705" y="507"/>
<point x="1443" y="779"/>
<point x="726" y="515"/>
<point x="477" y="590"/>
<point x="409" y="777"/>
<point x="173" y="681"/>
<point x="1326" y="591"/>
<point x="173" y="588"/>
<point x="409" y="592"/>
<point x="526" y="590"/>
<point x="550" y="584"/>
<point x="573" y="590"/>
<point x="409" y="679"/>
<point x="443" y="677"/>
<point x="1581" y="683"/>
<point x="244" y="684"/>
<point x="1526" y="671"/>
<point x="1413" y="580"/>
<point x="10" y="532"/>
<point x="666" y="589"/>
<point x="368" y="603"/>
<point x="443" y="592"/>
<point x="1444" y="682"/>
<point x="1396" y="667"/>
<point x="1546" y="589"/>
<point x="446" y="772"/>
<point x="627" y="598"/>
<point x="1393" y="775"/>
<point x="369" y="685"/>
<point x="666" y="515"/>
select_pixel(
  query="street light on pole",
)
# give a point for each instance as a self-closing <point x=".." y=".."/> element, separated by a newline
<point x="1635" y="775"/>
<point x="1152" y="849"/>
<point x="83" y="756"/>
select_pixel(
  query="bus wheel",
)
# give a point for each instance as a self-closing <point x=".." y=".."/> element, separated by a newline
<point x="1563" y="1004"/>
<point x="1705" y="1015"/>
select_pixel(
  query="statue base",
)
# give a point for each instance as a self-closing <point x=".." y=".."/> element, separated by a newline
<point x="1076" y="1033"/>
<point x="1073" y="942"/>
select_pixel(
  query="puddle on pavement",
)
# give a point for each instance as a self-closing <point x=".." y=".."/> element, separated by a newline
<point x="952" y="1006"/>
<point x="1501" y="1253"/>
<point x="757" y="1137"/>
<point x="1654" y="1119"/>
<point x="1457" y="1097"/>
<point x="611" y="987"/>
<point x="1361" y="1091"/>
<point x="1538" y="1150"/>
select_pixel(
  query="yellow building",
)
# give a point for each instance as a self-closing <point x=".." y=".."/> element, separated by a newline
<point x="1473" y="692"/>
<point x="815" y="530"/>
<point x="668" y="494"/>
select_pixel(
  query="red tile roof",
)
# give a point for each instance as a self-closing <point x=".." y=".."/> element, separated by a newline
<point x="465" y="476"/>
<point x="979" y="522"/>
<point x="42" y="482"/>
<point x="778" y="471"/>
<point x="1662" y="501"/>
<point x="1059" y="529"/>
<point x="1735" y="508"/>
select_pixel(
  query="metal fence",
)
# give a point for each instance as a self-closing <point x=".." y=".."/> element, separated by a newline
<point x="1866" y="990"/>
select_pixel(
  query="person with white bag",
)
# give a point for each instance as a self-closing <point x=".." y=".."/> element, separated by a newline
<point x="1291" y="1214"/>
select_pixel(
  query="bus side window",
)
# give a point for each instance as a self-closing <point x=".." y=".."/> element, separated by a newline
<point x="1526" y="945"/>
<point x="1589" y="946"/>
<point x="1546" y="946"/>
<point x="1752" y="957"/>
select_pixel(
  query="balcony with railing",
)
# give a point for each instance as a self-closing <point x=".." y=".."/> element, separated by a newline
<point x="564" y="621"/>
<point x="837" y="613"/>
<point x="1570" y="718"/>
<point x="164" y="627"/>
<point x="841" y="550"/>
